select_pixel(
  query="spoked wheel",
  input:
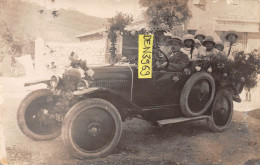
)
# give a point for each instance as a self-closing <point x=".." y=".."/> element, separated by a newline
<point x="197" y="94"/>
<point x="34" y="117"/>
<point x="221" y="112"/>
<point x="92" y="128"/>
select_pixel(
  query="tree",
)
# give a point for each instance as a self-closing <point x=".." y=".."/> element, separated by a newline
<point x="117" y="25"/>
<point x="163" y="15"/>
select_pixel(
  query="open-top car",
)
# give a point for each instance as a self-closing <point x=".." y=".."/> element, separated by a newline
<point x="89" y="112"/>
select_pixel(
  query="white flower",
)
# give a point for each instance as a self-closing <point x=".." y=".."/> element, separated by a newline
<point x="247" y="56"/>
<point x="90" y="72"/>
<point x="225" y="74"/>
<point x="198" y="68"/>
<point x="209" y="69"/>
<point x="243" y="79"/>
<point x="175" y="79"/>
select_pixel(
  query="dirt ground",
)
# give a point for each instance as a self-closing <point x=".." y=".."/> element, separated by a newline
<point x="141" y="144"/>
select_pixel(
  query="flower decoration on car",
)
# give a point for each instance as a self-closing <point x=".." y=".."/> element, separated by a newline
<point x="209" y="69"/>
<point x="187" y="71"/>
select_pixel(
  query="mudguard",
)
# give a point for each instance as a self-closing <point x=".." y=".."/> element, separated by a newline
<point x="47" y="82"/>
<point x="124" y="106"/>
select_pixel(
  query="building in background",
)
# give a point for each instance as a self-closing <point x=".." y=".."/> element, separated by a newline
<point x="216" y="17"/>
<point x="219" y="16"/>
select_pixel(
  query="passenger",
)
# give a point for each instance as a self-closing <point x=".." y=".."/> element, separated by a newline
<point x="197" y="43"/>
<point x="219" y="45"/>
<point x="232" y="46"/>
<point x="189" y="49"/>
<point x="178" y="60"/>
<point x="210" y="51"/>
<point x="200" y="35"/>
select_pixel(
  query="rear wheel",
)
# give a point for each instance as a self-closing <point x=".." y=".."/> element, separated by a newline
<point x="33" y="116"/>
<point x="92" y="128"/>
<point x="197" y="94"/>
<point x="221" y="111"/>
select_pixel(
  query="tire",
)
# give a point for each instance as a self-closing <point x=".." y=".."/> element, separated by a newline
<point x="197" y="94"/>
<point x="28" y="113"/>
<point x="221" y="111"/>
<point x="92" y="128"/>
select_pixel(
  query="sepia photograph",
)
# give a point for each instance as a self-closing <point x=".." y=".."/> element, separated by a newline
<point x="130" y="82"/>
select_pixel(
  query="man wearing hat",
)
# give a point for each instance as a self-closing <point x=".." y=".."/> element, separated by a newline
<point x="232" y="45"/>
<point x="189" y="49"/>
<point x="178" y="60"/>
<point x="210" y="50"/>
<point x="165" y="45"/>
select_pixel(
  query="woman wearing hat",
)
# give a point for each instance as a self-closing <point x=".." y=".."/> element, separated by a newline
<point x="200" y="35"/>
<point x="189" y="49"/>
<point x="197" y="43"/>
<point x="210" y="50"/>
<point x="178" y="60"/>
<point x="232" y="45"/>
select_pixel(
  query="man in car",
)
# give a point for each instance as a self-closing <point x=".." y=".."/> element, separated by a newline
<point x="178" y="60"/>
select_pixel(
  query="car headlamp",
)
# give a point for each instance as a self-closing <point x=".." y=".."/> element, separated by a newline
<point x="54" y="81"/>
<point x="83" y="84"/>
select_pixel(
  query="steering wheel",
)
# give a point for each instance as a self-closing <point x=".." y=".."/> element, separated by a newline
<point x="167" y="59"/>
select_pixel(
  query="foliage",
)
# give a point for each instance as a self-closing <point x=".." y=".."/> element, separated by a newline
<point x="117" y="25"/>
<point x="242" y="70"/>
<point x="163" y="15"/>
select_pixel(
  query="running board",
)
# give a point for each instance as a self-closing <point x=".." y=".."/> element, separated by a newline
<point x="180" y="119"/>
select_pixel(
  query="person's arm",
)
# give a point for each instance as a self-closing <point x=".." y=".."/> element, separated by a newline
<point x="182" y="63"/>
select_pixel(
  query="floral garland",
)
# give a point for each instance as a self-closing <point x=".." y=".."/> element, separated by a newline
<point x="242" y="70"/>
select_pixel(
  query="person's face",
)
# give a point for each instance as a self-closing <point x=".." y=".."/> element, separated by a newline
<point x="200" y="37"/>
<point x="232" y="38"/>
<point x="209" y="46"/>
<point x="188" y="43"/>
<point x="196" y="45"/>
<point x="219" y="47"/>
<point x="175" y="46"/>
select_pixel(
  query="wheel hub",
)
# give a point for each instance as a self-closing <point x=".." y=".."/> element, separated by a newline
<point x="94" y="129"/>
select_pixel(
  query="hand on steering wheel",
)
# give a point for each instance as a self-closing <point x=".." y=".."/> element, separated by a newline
<point x="157" y="62"/>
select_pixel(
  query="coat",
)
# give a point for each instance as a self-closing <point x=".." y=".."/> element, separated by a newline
<point x="194" y="55"/>
<point x="236" y="47"/>
<point x="178" y="61"/>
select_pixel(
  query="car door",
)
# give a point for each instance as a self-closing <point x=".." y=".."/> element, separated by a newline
<point x="167" y="87"/>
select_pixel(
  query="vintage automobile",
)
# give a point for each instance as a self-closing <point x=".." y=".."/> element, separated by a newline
<point x="88" y="113"/>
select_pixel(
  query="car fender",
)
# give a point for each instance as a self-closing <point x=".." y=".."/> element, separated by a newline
<point x="124" y="106"/>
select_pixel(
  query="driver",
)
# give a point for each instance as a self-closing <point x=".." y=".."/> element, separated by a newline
<point x="178" y="60"/>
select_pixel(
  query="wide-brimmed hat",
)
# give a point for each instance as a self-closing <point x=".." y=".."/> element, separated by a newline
<point x="188" y="37"/>
<point x="200" y="33"/>
<point x="208" y="39"/>
<point x="177" y="39"/>
<point x="230" y="32"/>
<point x="197" y="41"/>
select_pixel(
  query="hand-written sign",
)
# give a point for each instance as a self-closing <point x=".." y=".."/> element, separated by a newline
<point x="145" y="55"/>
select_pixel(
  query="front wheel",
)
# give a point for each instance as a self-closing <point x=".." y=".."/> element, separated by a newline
<point x="33" y="116"/>
<point x="221" y="111"/>
<point x="92" y="128"/>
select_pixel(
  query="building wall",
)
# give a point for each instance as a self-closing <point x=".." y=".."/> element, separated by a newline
<point x="218" y="16"/>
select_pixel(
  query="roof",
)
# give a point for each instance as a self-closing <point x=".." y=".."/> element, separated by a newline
<point x="137" y="25"/>
<point x="98" y="31"/>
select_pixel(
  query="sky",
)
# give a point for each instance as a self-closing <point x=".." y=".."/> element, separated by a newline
<point x="98" y="8"/>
